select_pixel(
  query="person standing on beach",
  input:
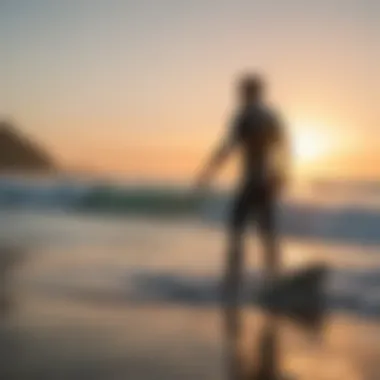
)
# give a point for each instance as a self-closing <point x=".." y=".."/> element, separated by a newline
<point x="258" y="133"/>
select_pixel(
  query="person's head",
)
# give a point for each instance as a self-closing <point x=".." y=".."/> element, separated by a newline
<point x="250" y="88"/>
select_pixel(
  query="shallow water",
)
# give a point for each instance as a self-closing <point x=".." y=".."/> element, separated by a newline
<point x="98" y="298"/>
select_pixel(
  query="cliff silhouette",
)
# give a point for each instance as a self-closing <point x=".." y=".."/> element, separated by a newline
<point x="19" y="153"/>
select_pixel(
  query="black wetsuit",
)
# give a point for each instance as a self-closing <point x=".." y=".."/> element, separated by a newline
<point x="258" y="132"/>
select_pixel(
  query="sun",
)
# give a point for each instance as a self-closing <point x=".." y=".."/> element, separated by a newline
<point x="309" y="145"/>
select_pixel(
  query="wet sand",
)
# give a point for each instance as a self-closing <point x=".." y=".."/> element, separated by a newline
<point x="47" y="338"/>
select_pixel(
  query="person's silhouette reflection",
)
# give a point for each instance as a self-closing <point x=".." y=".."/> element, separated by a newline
<point x="264" y="365"/>
<point x="268" y="365"/>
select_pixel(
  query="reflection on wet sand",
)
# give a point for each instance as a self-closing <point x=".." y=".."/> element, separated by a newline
<point x="298" y="295"/>
<point x="98" y="342"/>
<point x="116" y="340"/>
<point x="10" y="258"/>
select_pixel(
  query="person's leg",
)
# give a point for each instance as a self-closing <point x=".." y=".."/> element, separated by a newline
<point x="231" y="290"/>
<point x="266" y="222"/>
<point x="232" y="280"/>
<point x="265" y="208"/>
<point x="233" y="271"/>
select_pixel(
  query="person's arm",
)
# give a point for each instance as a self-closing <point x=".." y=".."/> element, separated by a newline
<point x="215" y="161"/>
<point x="219" y="155"/>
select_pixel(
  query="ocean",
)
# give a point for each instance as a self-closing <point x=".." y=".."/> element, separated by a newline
<point x="120" y="281"/>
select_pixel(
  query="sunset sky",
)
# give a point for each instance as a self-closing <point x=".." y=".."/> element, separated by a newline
<point x="143" y="88"/>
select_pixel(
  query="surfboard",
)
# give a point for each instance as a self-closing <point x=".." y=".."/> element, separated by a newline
<point x="298" y="295"/>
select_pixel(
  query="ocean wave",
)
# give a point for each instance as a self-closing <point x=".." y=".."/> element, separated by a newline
<point x="302" y="219"/>
<point x="352" y="292"/>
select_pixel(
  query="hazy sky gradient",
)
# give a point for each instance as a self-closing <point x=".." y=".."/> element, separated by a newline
<point x="143" y="87"/>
